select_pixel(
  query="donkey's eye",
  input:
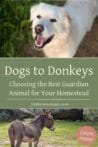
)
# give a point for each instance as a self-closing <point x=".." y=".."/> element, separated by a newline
<point x="53" y="20"/>
<point x="39" y="16"/>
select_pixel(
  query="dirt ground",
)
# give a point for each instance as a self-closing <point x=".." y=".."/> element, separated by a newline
<point x="39" y="145"/>
<point x="26" y="144"/>
<point x="88" y="47"/>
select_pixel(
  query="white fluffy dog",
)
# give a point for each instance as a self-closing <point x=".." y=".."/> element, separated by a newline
<point x="58" y="31"/>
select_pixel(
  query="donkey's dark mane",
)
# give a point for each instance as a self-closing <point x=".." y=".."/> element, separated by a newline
<point x="37" y="118"/>
<point x="39" y="122"/>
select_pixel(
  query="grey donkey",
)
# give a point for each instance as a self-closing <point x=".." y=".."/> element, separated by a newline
<point x="20" y="132"/>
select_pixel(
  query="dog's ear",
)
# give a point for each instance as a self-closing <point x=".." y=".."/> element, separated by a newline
<point x="32" y="12"/>
<point x="67" y="20"/>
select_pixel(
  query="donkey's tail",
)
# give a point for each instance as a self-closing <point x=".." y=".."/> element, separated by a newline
<point x="11" y="131"/>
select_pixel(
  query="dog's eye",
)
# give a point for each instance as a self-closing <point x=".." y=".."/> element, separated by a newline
<point x="39" y="16"/>
<point x="53" y="20"/>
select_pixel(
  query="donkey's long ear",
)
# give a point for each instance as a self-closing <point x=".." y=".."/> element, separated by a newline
<point x="44" y="110"/>
<point x="32" y="12"/>
<point x="48" y="112"/>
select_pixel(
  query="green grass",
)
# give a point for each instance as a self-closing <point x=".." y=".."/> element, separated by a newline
<point x="63" y="136"/>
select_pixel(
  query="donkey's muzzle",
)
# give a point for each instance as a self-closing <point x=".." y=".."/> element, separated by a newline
<point x="52" y="129"/>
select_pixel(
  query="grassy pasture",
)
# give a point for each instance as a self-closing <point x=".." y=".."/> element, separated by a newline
<point x="63" y="136"/>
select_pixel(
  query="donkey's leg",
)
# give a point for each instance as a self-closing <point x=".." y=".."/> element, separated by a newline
<point x="36" y="143"/>
<point x="12" y="142"/>
<point x="18" y="143"/>
<point x="30" y="144"/>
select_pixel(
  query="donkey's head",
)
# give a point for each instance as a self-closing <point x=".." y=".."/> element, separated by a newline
<point x="48" y="120"/>
<point x="44" y="120"/>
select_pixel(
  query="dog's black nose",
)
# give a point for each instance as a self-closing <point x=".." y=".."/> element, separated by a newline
<point x="39" y="29"/>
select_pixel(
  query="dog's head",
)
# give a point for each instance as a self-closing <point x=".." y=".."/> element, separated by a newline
<point x="48" y="21"/>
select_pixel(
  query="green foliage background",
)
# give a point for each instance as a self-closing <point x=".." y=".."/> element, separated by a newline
<point x="15" y="30"/>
